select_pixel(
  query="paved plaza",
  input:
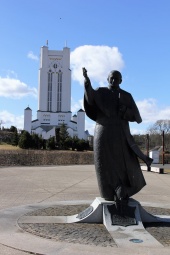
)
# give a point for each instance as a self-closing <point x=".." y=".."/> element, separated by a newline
<point x="50" y="188"/>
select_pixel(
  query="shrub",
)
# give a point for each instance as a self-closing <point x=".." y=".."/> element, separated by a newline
<point x="25" y="140"/>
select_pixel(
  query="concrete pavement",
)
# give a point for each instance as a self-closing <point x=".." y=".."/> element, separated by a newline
<point x="48" y="185"/>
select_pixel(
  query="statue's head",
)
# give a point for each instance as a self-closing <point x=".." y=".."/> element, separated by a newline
<point x="114" y="77"/>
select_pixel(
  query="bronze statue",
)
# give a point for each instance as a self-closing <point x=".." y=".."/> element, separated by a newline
<point x="115" y="153"/>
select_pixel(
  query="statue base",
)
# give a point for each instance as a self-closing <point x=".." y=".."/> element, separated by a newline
<point x="125" y="224"/>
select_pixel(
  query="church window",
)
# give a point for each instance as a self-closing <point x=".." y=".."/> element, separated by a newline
<point x="49" y="101"/>
<point x="59" y="91"/>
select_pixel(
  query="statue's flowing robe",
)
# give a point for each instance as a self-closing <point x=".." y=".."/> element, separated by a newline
<point x="115" y="154"/>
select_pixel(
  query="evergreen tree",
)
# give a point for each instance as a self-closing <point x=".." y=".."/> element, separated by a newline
<point x="82" y="145"/>
<point x="50" y="143"/>
<point x="13" y="129"/>
<point x="74" y="143"/>
<point x="15" y="138"/>
<point x="36" y="142"/>
<point x="63" y="136"/>
<point x="68" y="143"/>
<point x="25" y="140"/>
<point x="79" y="144"/>
<point x="57" y="137"/>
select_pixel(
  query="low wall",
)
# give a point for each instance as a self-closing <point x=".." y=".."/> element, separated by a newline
<point x="154" y="169"/>
<point x="38" y="157"/>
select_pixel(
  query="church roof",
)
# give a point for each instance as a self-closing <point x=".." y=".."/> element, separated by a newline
<point x="28" y="108"/>
<point x="46" y="128"/>
<point x="81" y="110"/>
<point x="73" y="121"/>
<point x="34" y="120"/>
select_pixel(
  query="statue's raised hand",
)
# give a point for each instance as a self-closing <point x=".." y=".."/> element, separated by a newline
<point x="84" y="72"/>
<point x="87" y="80"/>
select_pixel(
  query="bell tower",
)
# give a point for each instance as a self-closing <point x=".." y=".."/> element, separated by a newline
<point x="54" y="80"/>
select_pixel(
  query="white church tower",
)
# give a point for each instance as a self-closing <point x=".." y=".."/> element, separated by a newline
<point x="54" y="80"/>
<point x="27" y="119"/>
<point x="54" y="97"/>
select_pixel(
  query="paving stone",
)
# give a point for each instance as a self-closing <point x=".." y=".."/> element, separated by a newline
<point x="89" y="234"/>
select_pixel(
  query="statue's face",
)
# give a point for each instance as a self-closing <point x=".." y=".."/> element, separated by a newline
<point x="115" y="78"/>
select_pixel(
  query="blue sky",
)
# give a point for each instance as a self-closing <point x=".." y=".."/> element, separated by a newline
<point x="133" y="34"/>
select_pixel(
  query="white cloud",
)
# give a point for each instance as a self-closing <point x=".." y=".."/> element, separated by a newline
<point x="14" y="88"/>
<point x="148" y="109"/>
<point x="137" y="131"/>
<point x="11" y="73"/>
<point x="9" y="119"/>
<point x="98" y="60"/>
<point x="31" y="55"/>
<point x="76" y="105"/>
<point x="150" y="112"/>
<point x="164" y="113"/>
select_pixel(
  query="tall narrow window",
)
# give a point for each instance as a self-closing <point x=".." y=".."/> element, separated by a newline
<point x="49" y="100"/>
<point x="59" y="91"/>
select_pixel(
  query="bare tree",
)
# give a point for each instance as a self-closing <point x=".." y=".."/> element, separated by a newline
<point x="156" y="130"/>
<point x="159" y="126"/>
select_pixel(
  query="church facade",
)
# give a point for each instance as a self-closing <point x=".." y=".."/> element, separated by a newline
<point x="54" y="97"/>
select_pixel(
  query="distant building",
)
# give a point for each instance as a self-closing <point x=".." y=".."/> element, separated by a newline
<point x="54" y="97"/>
<point x="155" y="154"/>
